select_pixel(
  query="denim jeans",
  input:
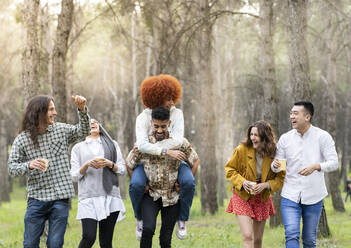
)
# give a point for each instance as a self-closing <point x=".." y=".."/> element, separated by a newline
<point x="34" y="222"/>
<point x="291" y="214"/>
<point x="187" y="190"/>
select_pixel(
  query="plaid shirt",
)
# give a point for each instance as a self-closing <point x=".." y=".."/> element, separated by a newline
<point x="55" y="183"/>
<point x="162" y="171"/>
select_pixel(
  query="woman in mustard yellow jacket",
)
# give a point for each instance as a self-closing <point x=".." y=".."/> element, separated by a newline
<point x="253" y="181"/>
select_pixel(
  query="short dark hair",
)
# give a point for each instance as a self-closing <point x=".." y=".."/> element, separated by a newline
<point x="160" y="113"/>
<point x="307" y="105"/>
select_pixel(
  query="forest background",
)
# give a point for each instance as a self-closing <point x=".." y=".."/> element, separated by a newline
<point x="238" y="61"/>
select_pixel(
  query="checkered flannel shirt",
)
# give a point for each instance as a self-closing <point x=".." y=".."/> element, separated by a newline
<point x="162" y="171"/>
<point x="55" y="183"/>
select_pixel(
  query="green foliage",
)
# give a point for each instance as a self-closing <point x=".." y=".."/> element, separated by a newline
<point x="220" y="230"/>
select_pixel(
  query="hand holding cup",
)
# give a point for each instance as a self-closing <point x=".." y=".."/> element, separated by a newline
<point x="39" y="164"/>
<point x="279" y="163"/>
<point x="249" y="186"/>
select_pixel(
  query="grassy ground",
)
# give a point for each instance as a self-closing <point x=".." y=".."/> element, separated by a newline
<point x="220" y="230"/>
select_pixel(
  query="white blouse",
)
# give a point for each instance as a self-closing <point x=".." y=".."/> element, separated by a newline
<point x="98" y="207"/>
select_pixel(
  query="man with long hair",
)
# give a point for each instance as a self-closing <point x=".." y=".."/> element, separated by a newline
<point x="40" y="151"/>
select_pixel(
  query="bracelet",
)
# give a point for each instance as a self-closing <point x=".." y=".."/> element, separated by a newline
<point x="113" y="165"/>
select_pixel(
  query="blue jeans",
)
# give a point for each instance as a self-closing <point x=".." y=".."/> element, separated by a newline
<point x="187" y="190"/>
<point x="291" y="214"/>
<point x="34" y="222"/>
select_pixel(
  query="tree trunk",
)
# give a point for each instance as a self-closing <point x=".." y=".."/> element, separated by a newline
<point x="4" y="178"/>
<point x="221" y="120"/>
<point x="206" y="117"/>
<point x="269" y="84"/>
<point x="267" y="64"/>
<point x="299" y="67"/>
<point x="31" y="55"/>
<point x="330" y="102"/>
<point x="323" y="227"/>
<point x="59" y="59"/>
<point x="298" y="53"/>
<point x="134" y="64"/>
<point x="45" y="50"/>
<point x="74" y="49"/>
<point x="346" y="137"/>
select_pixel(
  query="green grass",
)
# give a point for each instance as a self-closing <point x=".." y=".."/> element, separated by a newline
<point x="220" y="230"/>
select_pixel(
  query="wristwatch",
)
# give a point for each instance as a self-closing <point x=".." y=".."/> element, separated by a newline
<point x="164" y="152"/>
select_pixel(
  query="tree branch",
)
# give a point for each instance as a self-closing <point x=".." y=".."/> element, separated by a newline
<point x="338" y="9"/>
<point x="85" y="26"/>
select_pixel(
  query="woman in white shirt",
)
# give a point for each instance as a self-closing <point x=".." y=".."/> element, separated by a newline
<point x="95" y="164"/>
<point x="166" y="91"/>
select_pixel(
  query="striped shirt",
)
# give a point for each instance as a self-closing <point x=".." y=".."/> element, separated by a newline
<point x="55" y="183"/>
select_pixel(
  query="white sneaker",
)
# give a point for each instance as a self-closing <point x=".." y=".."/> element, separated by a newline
<point x="181" y="232"/>
<point x="139" y="229"/>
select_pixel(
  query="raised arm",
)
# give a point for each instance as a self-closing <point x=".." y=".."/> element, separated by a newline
<point x="82" y="129"/>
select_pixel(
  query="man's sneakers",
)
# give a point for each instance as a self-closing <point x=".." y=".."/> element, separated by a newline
<point x="139" y="229"/>
<point x="181" y="232"/>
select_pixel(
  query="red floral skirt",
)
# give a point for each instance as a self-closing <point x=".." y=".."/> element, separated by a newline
<point x="253" y="208"/>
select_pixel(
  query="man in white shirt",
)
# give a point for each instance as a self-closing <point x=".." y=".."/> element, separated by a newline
<point x="309" y="152"/>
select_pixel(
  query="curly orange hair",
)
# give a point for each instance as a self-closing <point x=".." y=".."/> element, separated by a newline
<point x="156" y="90"/>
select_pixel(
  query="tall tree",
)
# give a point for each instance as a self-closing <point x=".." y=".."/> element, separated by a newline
<point x="329" y="76"/>
<point x="58" y="79"/>
<point x="269" y="82"/>
<point x="299" y="68"/>
<point x="4" y="180"/>
<point x="206" y="117"/>
<point x="298" y="52"/>
<point x="31" y="55"/>
<point x="45" y="45"/>
<point x="268" y="77"/>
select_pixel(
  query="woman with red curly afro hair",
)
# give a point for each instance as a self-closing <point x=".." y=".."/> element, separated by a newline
<point x="159" y="91"/>
<point x="166" y="91"/>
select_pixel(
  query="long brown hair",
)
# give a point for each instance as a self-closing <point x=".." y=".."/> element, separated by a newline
<point x="35" y="117"/>
<point x="267" y="147"/>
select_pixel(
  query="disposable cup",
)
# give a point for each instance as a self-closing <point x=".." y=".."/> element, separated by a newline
<point x="100" y="160"/>
<point x="252" y="192"/>
<point x="282" y="164"/>
<point x="46" y="163"/>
